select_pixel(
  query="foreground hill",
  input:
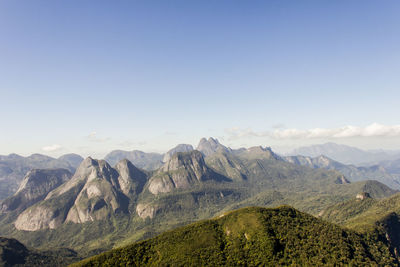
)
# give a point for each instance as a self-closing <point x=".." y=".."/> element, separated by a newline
<point x="366" y="214"/>
<point x="14" y="253"/>
<point x="253" y="236"/>
<point x="363" y="212"/>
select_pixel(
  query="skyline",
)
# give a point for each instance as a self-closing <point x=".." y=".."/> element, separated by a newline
<point x="90" y="77"/>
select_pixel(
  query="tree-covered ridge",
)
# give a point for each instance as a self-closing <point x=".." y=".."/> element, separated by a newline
<point x="253" y="236"/>
<point x="362" y="214"/>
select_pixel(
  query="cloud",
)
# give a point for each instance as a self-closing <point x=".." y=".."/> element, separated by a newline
<point x="372" y="130"/>
<point x="95" y="138"/>
<point x="52" y="148"/>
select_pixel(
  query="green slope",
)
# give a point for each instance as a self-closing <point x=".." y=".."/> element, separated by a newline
<point x="362" y="214"/>
<point x="253" y="236"/>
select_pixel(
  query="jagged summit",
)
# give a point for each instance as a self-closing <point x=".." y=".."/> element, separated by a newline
<point x="210" y="146"/>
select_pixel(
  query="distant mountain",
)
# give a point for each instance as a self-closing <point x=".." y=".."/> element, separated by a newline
<point x="34" y="187"/>
<point x="14" y="253"/>
<point x="352" y="172"/>
<point x="392" y="166"/>
<point x="345" y="154"/>
<point x="211" y="146"/>
<point x="178" y="148"/>
<point x="143" y="160"/>
<point x="13" y="168"/>
<point x="95" y="192"/>
<point x="254" y="237"/>
<point x="73" y="159"/>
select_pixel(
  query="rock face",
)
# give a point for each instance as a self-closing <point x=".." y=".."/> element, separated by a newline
<point x="210" y="146"/>
<point x="178" y="148"/>
<point x="181" y="171"/>
<point x="146" y="210"/>
<point x="146" y="161"/>
<point x="35" y="187"/>
<point x="95" y="192"/>
<point x="342" y="180"/>
<point x="127" y="171"/>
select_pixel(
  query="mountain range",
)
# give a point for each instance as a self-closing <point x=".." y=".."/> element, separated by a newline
<point x="352" y="172"/>
<point x="100" y="206"/>
<point x="347" y="154"/>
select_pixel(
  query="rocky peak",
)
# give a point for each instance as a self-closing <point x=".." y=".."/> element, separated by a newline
<point x="91" y="169"/>
<point x="95" y="192"/>
<point x="210" y="146"/>
<point x="193" y="159"/>
<point x="182" y="171"/>
<point x="131" y="179"/>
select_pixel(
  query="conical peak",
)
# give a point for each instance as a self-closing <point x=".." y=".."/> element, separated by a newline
<point x="125" y="164"/>
<point x="92" y="168"/>
<point x="210" y="146"/>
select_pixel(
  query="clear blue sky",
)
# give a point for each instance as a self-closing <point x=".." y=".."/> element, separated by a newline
<point x="92" y="76"/>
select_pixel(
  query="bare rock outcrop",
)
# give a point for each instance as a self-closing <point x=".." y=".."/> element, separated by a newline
<point x="182" y="171"/>
<point x="95" y="192"/>
<point x="35" y="186"/>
